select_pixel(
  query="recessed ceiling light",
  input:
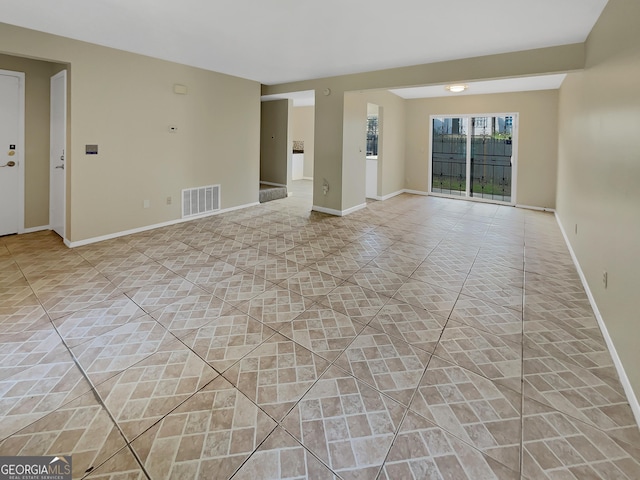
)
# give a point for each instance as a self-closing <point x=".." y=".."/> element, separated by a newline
<point x="456" y="88"/>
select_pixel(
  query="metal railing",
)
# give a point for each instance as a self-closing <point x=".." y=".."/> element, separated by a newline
<point x="489" y="179"/>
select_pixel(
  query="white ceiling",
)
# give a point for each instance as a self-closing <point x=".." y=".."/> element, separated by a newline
<point x="523" y="84"/>
<point x="279" y="41"/>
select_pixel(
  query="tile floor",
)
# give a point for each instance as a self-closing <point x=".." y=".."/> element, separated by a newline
<point x="417" y="338"/>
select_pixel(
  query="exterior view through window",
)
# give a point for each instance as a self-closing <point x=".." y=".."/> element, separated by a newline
<point x="474" y="156"/>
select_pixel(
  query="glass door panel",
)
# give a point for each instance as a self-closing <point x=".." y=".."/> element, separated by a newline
<point x="491" y="157"/>
<point x="449" y="156"/>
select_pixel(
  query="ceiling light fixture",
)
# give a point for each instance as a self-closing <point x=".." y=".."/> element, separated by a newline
<point x="456" y="88"/>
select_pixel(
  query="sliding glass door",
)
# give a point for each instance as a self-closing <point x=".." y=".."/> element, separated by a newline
<point x="449" y="156"/>
<point x="473" y="156"/>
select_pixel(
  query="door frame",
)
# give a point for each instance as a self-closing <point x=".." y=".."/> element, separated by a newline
<point x="20" y="146"/>
<point x="63" y="74"/>
<point x="514" y="156"/>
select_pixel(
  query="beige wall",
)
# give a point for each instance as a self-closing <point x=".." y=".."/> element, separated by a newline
<point x="330" y="108"/>
<point x="302" y="129"/>
<point x="125" y="103"/>
<point x="275" y="142"/>
<point x="599" y="173"/>
<point x="354" y="151"/>
<point x="37" y="89"/>
<point x="537" y="138"/>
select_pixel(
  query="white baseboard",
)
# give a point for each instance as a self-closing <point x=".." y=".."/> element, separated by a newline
<point x="391" y="195"/>
<point x="123" y="233"/>
<point x="339" y="213"/>
<point x="388" y="196"/>
<point x="415" y="192"/>
<point x="354" y="209"/>
<point x="330" y="211"/>
<point x="539" y="209"/>
<point x="36" y="229"/>
<point x="624" y="379"/>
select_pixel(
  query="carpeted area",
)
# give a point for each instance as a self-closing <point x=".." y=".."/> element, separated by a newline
<point x="270" y="192"/>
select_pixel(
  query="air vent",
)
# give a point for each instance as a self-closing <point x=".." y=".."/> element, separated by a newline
<point x="200" y="200"/>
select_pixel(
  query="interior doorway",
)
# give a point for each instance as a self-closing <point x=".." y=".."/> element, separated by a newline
<point x="373" y="151"/>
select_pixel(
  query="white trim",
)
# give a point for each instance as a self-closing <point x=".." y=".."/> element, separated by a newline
<point x="36" y="229"/>
<point x="354" y="209"/>
<point x="306" y="178"/>
<point x="273" y="184"/>
<point x="339" y="213"/>
<point x="123" y="233"/>
<point x="231" y="209"/>
<point x="391" y="195"/>
<point x="21" y="160"/>
<point x="515" y="145"/>
<point x="471" y="199"/>
<point x="330" y="211"/>
<point x="415" y="192"/>
<point x="467" y="171"/>
<point x="624" y="379"/>
<point x="63" y="74"/>
<point x="531" y="207"/>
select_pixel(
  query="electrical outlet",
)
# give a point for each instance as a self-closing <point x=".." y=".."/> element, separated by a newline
<point x="605" y="279"/>
<point x="325" y="186"/>
<point x="145" y="204"/>
<point x="169" y="200"/>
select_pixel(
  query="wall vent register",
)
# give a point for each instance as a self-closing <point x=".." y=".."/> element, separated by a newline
<point x="200" y="200"/>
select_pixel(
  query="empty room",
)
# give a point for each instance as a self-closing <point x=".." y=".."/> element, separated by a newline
<point x="341" y="240"/>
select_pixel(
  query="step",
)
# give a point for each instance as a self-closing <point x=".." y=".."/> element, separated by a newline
<point x="269" y="192"/>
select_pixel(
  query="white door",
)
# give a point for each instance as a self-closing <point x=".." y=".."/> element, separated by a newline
<point x="11" y="143"/>
<point x="58" y="138"/>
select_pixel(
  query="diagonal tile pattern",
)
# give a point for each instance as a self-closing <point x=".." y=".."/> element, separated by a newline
<point x="414" y="325"/>
<point x="276" y="374"/>
<point x="282" y="457"/>
<point x="473" y="408"/>
<point x="276" y="307"/>
<point x="345" y="423"/>
<point x="214" y="431"/>
<point x="387" y="363"/>
<point x="322" y="330"/>
<point x="556" y="445"/>
<point x="227" y="339"/>
<point x="81" y="428"/>
<point x="416" y="338"/>
<point x="147" y="391"/>
<point x="423" y="450"/>
<point x="483" y="353"/>
<point x="579" y="393"/>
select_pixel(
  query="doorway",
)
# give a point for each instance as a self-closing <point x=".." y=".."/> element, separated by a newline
<point x="474" y="156"/>
<point x="11" y="152"/>
<point x="373" y="151"/>
<point x="58" y="140"/>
